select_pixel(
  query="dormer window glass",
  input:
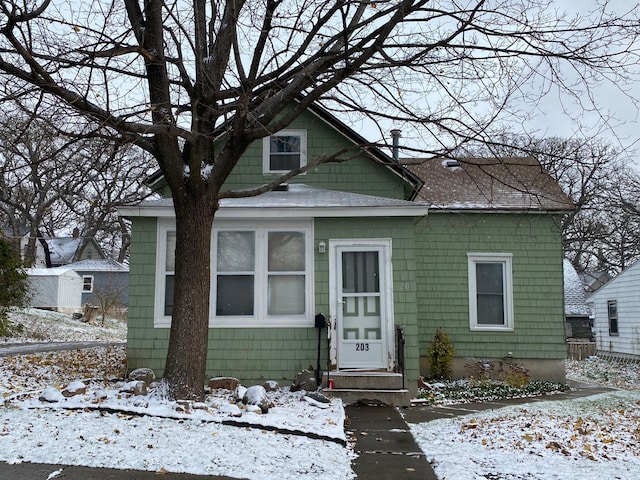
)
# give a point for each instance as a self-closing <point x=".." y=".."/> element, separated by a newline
<point x="285" y="151"/>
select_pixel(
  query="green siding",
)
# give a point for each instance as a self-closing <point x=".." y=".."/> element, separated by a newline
<point x="358" y="175"/>
<point x="402" y="233"/>
<point x="256" y="354"/>
<point x="535" y="242"/>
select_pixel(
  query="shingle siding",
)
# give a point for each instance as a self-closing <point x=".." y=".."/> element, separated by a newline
<point x="443" y="300"/>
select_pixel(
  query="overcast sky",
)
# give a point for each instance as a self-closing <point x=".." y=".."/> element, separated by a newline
<point x="560" y="115"/>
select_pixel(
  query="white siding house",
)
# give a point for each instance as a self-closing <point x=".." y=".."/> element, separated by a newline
<point x="617" y="313"/>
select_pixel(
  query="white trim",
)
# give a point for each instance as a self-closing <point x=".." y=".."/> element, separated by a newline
<point x="266" y="150"/>
<point x="385" y="247"/>
<point x="91" y="284"/>
<point x="258" y="320"/>
<point x="293" y="213"/>
<point x="505" y="259"/>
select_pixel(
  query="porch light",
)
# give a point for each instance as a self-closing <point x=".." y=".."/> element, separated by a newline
<point x="322" y="247"/>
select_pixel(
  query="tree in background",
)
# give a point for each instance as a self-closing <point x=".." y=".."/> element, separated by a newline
<point x="51" y="181"/>
<point x="187" y="73"/>
<point x="14" y="286"/>
<point x="603" y="233"/>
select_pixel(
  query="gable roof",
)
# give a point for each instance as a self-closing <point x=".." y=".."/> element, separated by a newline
<point x="376" y="153"/>
<point x="575" y="304"/>
<point x="63" y="249"/>
<point x="98" y="265"/>
<point x="513" y="183"/>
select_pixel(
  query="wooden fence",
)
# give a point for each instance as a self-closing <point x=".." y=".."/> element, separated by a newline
<point x="580" y="350"/>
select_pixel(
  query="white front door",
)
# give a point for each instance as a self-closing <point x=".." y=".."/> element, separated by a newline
<point x="362" y="303"/>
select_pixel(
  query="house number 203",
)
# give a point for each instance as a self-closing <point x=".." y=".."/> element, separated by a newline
<point x="362" y="347"/>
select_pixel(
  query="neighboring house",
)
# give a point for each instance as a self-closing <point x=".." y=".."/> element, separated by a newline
<point x="617" y="313"/>
<point x="59" y="251"/>
<point x="58" y="289"/>
<point x="594" y="280"/>
<point x="382" y="249"/>
<point x="104" y="278"/>
<point x="577" y="312"/>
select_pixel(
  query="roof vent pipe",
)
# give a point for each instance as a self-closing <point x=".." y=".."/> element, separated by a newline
<point x="395" y="135"/>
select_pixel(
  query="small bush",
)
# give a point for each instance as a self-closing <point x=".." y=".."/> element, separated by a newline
<point x="441" y="355"/>
<point x="13" y="286"/>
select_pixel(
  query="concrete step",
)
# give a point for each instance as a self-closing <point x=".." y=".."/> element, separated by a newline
<point x="364" y="380"/>
<point x="349" y="396"/>
<point x="372" y="387"/>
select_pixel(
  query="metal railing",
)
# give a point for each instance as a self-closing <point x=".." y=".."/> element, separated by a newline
<point x="400" y="341"/>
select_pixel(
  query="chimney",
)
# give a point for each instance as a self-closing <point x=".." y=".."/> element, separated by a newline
<point x="395" y="135"/>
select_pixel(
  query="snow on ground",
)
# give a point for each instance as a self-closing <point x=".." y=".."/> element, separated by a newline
<point x="42" y="325"/>
<point x="105" y="427"/>
<point x="596" y="437"/>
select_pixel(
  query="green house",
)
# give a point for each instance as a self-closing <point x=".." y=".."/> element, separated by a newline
<point x="387" y="250"/>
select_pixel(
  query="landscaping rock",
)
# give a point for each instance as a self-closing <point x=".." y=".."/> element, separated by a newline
<point x="75" y="388"/>
<point x="231" y="410"/>
<point x="317" y="399"/>
<point x="228" y="383"/>
<point x="271" y="386"/>
<point x="254" y="409"/>
<point x="256" y="396"/>
<point x="305" y="380"/>
<point x="138" y="387"/>
<point x="145" y="375"/>
<point x="51" y="395"/>
<point x="99" y="396"/>
<point x="238" y="395"/>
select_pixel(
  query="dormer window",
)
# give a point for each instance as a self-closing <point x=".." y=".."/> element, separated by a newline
<point x="285" y="151"/>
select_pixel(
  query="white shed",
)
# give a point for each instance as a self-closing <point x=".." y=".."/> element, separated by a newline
<point x="617" y="313"/>
<point x="55" y="288"/>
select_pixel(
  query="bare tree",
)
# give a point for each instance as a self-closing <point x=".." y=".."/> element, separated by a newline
<point x="602" y="233"/>
<point x="188" y="76"/>
<point x="50" y="181"/>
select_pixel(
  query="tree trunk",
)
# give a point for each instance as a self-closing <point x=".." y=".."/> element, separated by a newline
<point x="185" y="368"/>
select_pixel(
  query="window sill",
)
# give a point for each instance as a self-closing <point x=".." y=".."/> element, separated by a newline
<point x="492" y="328"/>
<point x="165" y="322"/>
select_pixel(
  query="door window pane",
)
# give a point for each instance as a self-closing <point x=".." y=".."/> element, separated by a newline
<point x="360" y="272"/>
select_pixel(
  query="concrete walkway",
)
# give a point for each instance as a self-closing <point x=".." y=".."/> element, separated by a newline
<point x="385" y="447"/>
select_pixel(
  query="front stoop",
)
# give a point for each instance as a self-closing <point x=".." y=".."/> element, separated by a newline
<point x="369" y="387"/>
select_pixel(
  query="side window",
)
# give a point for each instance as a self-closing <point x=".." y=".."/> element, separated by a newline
<point x="284" y="151"/>
<point x="490" y="291"/>
<point x="169" y="271"/>
<point x="612" y="313"/>
<point x="87" y="283"/>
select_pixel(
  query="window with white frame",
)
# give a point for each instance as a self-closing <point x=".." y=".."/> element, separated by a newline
<point x="87" y="283"/>
<point x="490" y="291"/>
<point x="284" y="151"/>
<point x="261" y="275"/>
<point x="612" y="314"/>
<point x="168" y="272"/>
